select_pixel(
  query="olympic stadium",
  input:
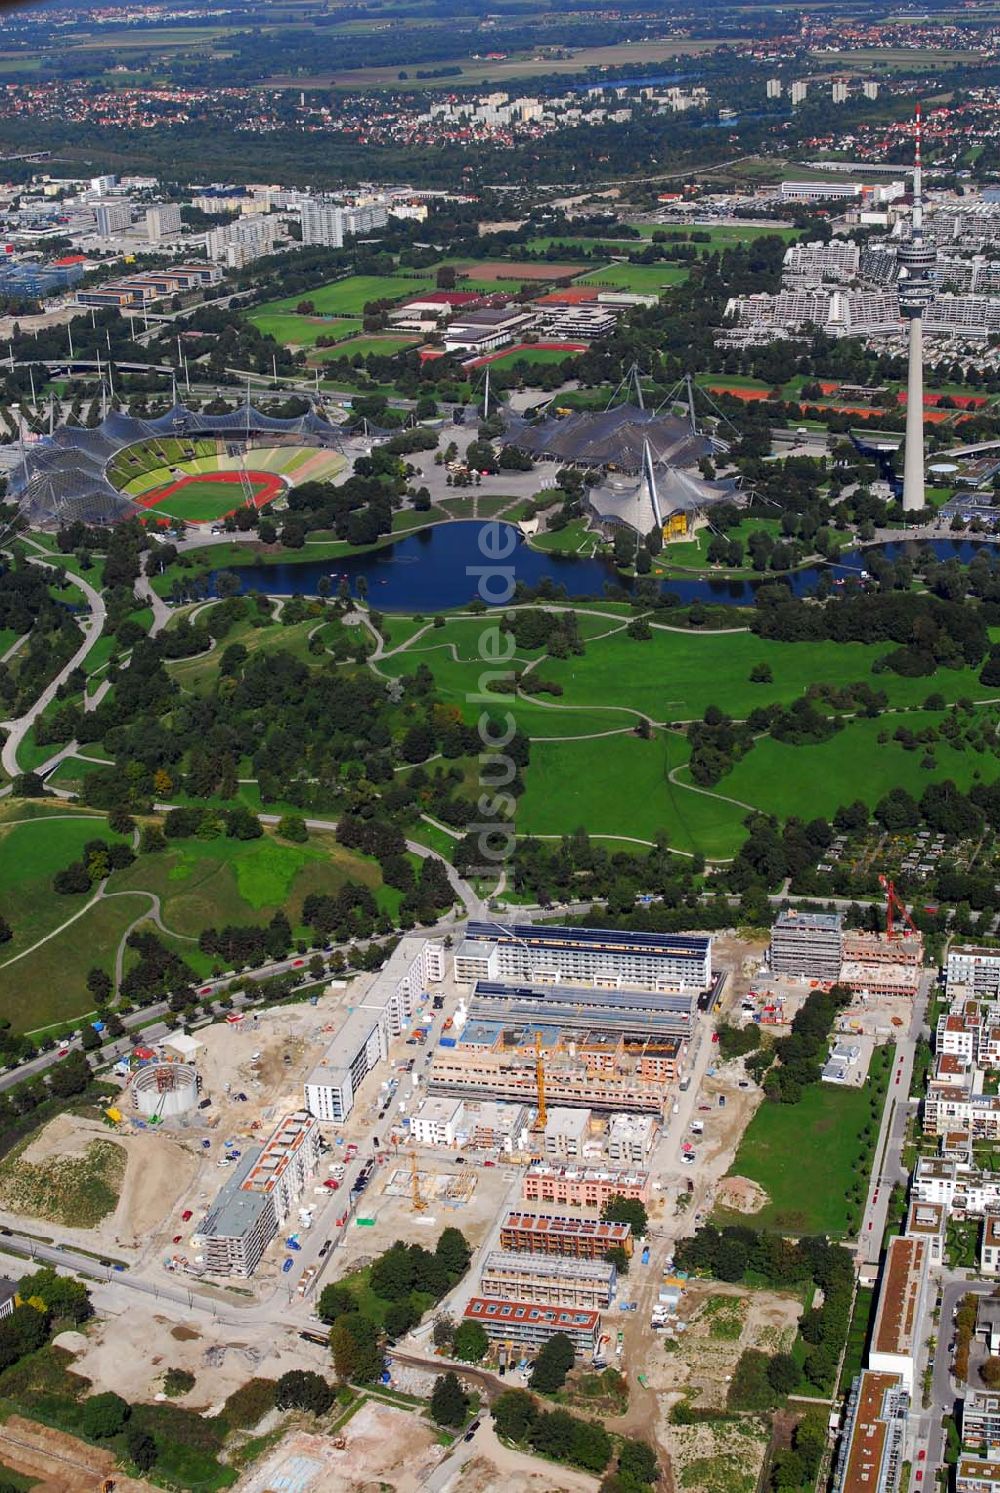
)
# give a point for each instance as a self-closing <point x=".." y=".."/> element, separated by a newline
<point x="181" y="465"/>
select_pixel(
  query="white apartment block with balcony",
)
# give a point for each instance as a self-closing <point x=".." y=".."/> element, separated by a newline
<point x="362" y="1042"/>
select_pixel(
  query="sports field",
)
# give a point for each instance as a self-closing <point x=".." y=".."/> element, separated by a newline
<point x="349" y="296"/>
<point x="202" y="500"/>
<point x="642" y="279"/>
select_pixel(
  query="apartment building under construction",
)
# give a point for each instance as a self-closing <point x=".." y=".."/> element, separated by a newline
<point x="555" y="1234"/>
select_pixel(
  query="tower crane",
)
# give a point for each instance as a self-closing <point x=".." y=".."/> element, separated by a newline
<point x="541" y="1116"/>
<point x="893" y="904"/>
<point x="417" y="1197"/>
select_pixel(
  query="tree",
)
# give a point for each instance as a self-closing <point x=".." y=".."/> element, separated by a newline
<point x="990" y="1373"/>
<point x="617" y="1255"/>
<point x="400" y="1317"/>
<point x="70" y="1077"/>
<point x="449" y="1403"/>
<point x="356" y="1353"/>
<point x="22" y="1331"/>
<point x="104" y="1415"/>
<point x="514" y="1414"/>
<point x="177" y="1382"/>
<point x="620" y="1209"/>
<point x="334" y="1301"/>
<point x="591" y="1446"/>
<point x="6" y="931"/>
<point x="63" y="1296"/>
<point x="553" y="1434"/>
<point x="344" y="1348"/>
<point x="552" y="1364"/>
<point x="292" y="827"/>
<point x="471" y="1343"/>
<point x="453" y="1251"/>
<point x="783" y="1373"/>
<point x="761" y="674"/>
<point x="637" y="1464"/>
<point x="141" y="1449"/>
<point x="443" y="1332"/>
<point x="303" y="1390"/>
<point x="100" y="985"/>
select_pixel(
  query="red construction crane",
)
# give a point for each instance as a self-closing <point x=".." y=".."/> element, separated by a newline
<point x="894" y="903"/>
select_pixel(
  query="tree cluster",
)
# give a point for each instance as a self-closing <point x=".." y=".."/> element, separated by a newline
<point x="518" y="1418"/>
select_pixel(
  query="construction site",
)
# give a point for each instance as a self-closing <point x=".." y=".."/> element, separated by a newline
<point x="815" y="946"/>
<point x="251" y="1204"/>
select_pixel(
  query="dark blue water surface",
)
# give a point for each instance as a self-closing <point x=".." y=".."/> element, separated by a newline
<point x="438" y="568"/>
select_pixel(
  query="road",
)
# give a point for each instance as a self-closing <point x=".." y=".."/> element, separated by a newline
<point x="930" y="1435"/>
<point x="892" y="1134"/>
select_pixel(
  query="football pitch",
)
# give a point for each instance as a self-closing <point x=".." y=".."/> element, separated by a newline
<point x="202" y="500"/>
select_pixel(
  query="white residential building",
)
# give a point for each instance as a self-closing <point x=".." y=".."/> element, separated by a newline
<point x="899" y="1317"/>
<point x="976" y="970"/>
<point x="162" y="221"/>
<point x="631" y="1138"/>
<point x="437" y="1122"/>
<point x="566" y="1132"/>
<point x="113" y="218"/>
<point x="322" y="223"/>
<point x="363" y="1040"/>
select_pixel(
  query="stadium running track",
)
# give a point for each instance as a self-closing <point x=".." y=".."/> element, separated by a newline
<point x="267" y="487"/>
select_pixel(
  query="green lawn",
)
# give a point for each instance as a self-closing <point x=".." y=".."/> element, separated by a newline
<point x="348" y="297"/>
<point x="293" y="330"/>
<point x="805" y="1156"/>
<point x="811" y="780"/>
<point x="533" y="355"/>
<point x="47" y="985"/>
<point x="200" y="883"/>
<point x="644" y="279"/>
<point x="676" y="676"/>
<point x="722" y="236"/>
<point x="576" y="538"/>
<point x="378" y="347"/>
<point x="204" y="502"/>
<point x="617" y="786"/>
<point x="207" y="883"/>
<point x="693" y="553"/>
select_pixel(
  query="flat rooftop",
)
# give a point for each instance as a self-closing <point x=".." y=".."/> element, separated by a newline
<point x="817" y="922"/>
<point x="489" y="1309"/>
<point x="554" y="1224"/>
<point x="869" y="1432"/>
<point x="652" y="1002"/>
<point x="610" y="1175"/>
<point x="896" y="1320"/>
<point x="547" y="1267"/>
<point x="235" y="1209"/>
<point x="598" y="940"/>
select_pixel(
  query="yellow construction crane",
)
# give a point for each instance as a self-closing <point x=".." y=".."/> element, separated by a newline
<point x="419" y="1202"/>
<point x="541" y="1116"/>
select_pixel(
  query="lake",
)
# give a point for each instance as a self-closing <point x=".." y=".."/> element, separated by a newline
<point x="437" y="569"/>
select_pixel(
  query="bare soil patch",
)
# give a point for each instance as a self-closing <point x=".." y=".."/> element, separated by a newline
<point x="385" y="1447"/>
<point x="59" y="1462"/>
<point x="503" y="269"/>
<point x="742" y="1195"/>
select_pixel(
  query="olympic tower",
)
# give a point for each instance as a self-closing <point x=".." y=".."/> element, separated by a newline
<point x="917" y="261"/>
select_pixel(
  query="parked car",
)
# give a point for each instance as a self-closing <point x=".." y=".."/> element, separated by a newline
<point x="289" y="1262"/>
<point x="186" y="1215"/>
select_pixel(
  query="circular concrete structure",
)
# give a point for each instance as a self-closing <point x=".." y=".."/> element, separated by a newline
<point x="163" y="1090"/>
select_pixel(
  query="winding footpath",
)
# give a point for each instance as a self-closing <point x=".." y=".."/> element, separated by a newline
<point x="93" y="626"/>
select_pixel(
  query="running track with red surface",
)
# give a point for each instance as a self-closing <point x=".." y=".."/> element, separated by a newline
<point x="267" y="486"/>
